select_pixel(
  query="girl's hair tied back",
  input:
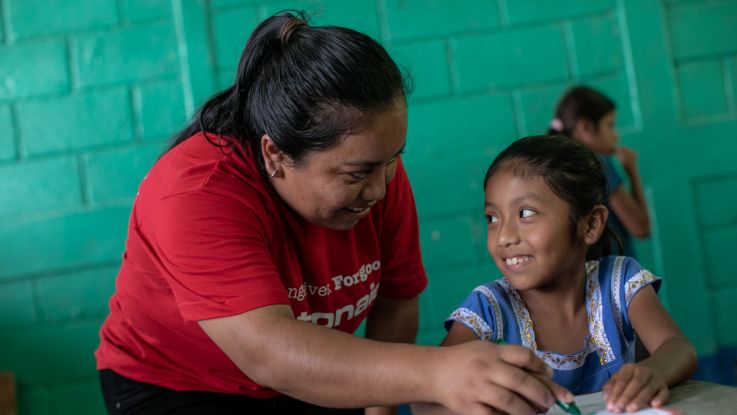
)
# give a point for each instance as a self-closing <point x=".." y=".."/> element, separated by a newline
<point x="556" y="125"/>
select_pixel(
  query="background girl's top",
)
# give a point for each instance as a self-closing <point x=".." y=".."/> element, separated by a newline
<point x="495" y="311"/>
<point x="614" y="180"/>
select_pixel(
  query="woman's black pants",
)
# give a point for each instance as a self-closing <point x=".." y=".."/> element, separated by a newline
<point x="124" y="396"/>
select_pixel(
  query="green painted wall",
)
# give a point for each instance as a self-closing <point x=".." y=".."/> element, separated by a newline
<point x="91" y="89"/>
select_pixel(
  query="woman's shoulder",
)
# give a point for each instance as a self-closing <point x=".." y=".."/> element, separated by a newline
<point x="198" y="173"/>
<point x="203" y="163"/>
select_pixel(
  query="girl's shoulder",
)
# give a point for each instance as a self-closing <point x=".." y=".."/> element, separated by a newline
<point x="501" y="288"/>
<point x="494" y="295"/>
<point x="488" y="289"/>
<point x="483" y="310"/>
<point x="621" y="275"/>
<point x="621" y="266"/>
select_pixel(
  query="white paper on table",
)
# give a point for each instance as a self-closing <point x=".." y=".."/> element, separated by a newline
<point x="593" y="403"/>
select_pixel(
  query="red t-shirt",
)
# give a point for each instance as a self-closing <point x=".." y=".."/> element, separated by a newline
<point x="208" y="237"/>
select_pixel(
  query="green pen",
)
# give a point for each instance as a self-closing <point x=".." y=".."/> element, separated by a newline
<point x="569" y="408"/>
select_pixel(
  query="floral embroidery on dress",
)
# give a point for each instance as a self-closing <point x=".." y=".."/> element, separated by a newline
<point x="617" y="269"/>
<point x="497" y="310"/>
<point x="524" y="322"/>
<point x="596" y="341"/>
<point x="639" y="280"/>
<point x="573" y="361"/>
<point x="475" y="322"/>
<point x="594" y="308"/>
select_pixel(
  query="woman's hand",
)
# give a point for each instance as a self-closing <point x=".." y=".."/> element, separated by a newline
<point x="479" y="377"/>
<point x="635" y="387"/>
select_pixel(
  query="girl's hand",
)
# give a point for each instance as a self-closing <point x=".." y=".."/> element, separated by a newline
<point x="482" y="378"/>
<point x="627" y="157"/>
<point x="635" y="387"/>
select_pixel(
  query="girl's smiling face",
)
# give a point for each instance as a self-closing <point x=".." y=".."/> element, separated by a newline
<point x="529" y="234"/>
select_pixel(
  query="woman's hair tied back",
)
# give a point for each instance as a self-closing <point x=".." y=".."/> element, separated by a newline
<point x="303" y="86"/>
<point x="290" y="26"/>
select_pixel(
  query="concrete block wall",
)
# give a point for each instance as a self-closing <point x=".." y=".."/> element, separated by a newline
<point x="91" y="90"/>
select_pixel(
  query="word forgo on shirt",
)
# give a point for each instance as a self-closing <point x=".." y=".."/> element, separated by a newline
<point x="333" y="319"/>
<point x="339" y="281"/>
<point x="347" y="312"/>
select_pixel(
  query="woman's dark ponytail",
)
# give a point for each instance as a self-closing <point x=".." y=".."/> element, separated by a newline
<point x="304" y="86"/>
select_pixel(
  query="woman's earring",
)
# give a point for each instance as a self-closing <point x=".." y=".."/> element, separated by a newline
<point x="274" y="173"/>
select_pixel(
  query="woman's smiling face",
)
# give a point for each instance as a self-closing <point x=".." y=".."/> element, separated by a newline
<point x="529" y="234"/>
<point x="337" y="187"/>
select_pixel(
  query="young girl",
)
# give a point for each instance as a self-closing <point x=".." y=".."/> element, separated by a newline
<point x="588" y="116"/>
<point x="561" y="296"/>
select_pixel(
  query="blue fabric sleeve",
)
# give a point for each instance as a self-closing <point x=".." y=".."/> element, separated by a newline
<point x="477" y="312"/>
<point x="634" y="279"/>
<point x="613" y="179"/>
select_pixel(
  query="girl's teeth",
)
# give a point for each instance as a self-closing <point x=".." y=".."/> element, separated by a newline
<point x="517" y="260"/>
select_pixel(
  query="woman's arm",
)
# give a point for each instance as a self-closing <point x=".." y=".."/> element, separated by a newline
<point x="631" y="208"/>
<point x="392" y="321"/>
<point x="456" y="335"/>
<point x="331" y="368"/>
<point x="672" y="358"/>
<point x="459" y="334"/>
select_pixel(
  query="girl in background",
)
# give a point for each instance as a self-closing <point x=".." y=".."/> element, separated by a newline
<point x="590" y="117"/>
<point x="562" y="295"/>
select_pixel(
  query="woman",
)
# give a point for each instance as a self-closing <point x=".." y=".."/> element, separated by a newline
<point x="281" y="218"/>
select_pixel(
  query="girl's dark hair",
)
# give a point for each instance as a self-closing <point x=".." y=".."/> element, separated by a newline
<point x="573" y="172"/>
<point x="580" y="102"/>
<point x="306" y="87"/>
